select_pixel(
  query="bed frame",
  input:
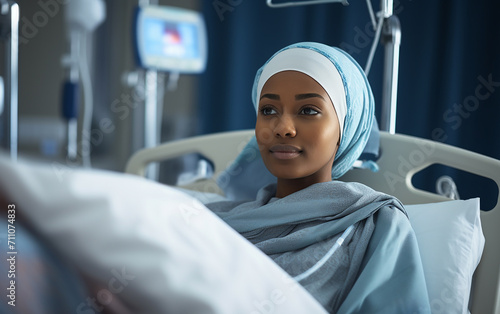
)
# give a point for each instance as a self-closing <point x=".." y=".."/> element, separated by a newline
<point x="401" y="157"/>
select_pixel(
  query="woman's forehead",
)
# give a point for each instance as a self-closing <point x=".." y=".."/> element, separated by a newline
<point x="292" y="79"/>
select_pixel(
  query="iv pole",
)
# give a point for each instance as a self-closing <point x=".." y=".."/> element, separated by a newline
<point x="391" y="39"/>
<point x="151" y="116"/>
<point x="9" y="33"/>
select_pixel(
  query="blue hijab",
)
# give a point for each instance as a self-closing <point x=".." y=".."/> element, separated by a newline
<point x="248" y="173"/>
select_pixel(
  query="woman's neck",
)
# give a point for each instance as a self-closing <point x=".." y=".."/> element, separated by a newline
<point x="286" y="187"/>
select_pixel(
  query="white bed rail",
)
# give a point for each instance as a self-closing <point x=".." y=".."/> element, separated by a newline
<point x="401" y="158"/>
<point x="220" y="148"/>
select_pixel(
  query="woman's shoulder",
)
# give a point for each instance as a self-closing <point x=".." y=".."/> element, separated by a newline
<point x="355" y="189"/>
<point x="392" y="215"/>
<point x="353" y="185"/>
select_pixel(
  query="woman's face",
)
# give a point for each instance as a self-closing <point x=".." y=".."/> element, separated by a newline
<point x="297" y="128"/>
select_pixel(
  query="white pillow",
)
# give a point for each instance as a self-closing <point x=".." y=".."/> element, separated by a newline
<point x="157" y="249"/>
<point x="451" y="243"/>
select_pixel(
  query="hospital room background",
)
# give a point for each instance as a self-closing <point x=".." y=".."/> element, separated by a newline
<point x="448" y="85"/>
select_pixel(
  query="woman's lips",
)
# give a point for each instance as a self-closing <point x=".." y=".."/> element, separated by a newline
<point x="285" y="151"/>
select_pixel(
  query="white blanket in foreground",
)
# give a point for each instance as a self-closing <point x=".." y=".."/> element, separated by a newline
<point x="177" y="256"/>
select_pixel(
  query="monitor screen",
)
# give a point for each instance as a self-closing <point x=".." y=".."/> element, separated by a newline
<point x="171" y="39"/>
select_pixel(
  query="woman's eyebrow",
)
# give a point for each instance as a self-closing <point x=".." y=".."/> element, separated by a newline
<point x="271" y="96"/>
<point x="308" y="95"/>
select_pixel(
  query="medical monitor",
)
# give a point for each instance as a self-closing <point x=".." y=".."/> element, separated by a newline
<point x="170" y="39"/>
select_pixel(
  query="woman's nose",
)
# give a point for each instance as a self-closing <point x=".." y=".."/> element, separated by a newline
<point x="285" y="127"/>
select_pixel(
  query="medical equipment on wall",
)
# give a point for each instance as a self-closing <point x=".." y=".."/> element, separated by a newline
<point x="166" y="40"/>
<point x="82" y="18"/>
<point x="9" y="37"/>
<point x="388" y="31"/>
<point x="170" y="39"/>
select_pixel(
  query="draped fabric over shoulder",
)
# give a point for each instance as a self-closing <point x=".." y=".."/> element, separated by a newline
<point x="377" y="269"/>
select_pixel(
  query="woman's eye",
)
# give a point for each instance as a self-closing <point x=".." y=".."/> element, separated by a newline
<point x="267" y="111"/>
<point x="309" y="111"/>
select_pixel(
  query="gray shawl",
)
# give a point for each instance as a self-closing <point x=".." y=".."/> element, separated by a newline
<point x="298" y="230"/>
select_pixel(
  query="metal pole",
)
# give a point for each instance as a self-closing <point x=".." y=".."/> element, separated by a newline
<point x="387" y="7"/>
<point x="151" y="124"/>
<point x="9" y="12"/>
<point x="391" y="38"/>
<point x="392" y="41"/>
<point x="14" y="69"/>
<point x="74" y="75"/>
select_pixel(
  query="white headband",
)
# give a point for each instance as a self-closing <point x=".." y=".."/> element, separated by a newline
<point x="315" y="65"/>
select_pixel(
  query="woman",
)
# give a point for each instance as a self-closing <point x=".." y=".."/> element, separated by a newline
<point x="352" y="248"/>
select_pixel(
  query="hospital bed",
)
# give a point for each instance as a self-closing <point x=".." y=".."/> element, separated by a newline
<point x="401" y="158"/>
